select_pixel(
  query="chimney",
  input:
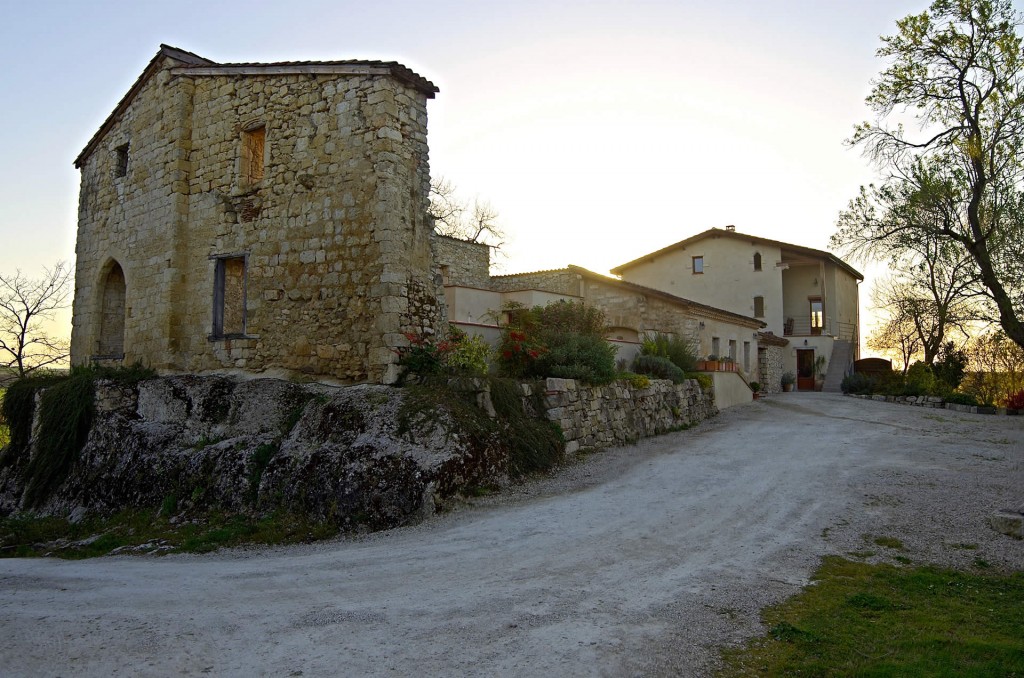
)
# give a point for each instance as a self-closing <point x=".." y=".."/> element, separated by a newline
<point x="731" y="227"/>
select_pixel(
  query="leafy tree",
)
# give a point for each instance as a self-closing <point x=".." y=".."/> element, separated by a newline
<point x="24" y="303"/>
<point x="457" y="218"/>
<point x="996" y="368"/>
<point x="957" y="69"/>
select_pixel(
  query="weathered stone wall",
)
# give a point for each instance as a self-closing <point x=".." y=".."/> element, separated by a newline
<point x="772" y="364"/>
<point x="134" y="221"/>
<point x="601" y="416"/>
<point x="559" y="281"/>
<point x="335" y="238"/>
<point x="462" y="262"/>
<point x="635" y="310"/>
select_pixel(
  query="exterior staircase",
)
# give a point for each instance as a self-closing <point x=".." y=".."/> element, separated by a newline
<point x="839" y="366"/>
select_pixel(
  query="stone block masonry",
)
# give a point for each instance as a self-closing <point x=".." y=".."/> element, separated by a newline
<point x="261" y="217"/>
<point x="620" y="413"/>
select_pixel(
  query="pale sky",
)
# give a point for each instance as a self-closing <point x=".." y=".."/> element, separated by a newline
<point x="599" y="131"/>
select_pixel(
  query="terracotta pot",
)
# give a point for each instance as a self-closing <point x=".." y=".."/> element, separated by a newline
<point x="787" y="388"/>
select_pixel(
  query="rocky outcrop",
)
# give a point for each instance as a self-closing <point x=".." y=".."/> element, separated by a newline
<point x="367" y="456"/>
<point x="345" y="455"/>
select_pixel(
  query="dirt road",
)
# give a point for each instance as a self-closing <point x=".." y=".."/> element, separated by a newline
<point x="638" y="561"/>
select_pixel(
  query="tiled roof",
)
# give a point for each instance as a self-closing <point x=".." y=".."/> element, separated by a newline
<point x="642" y="289"/>
<point x="719" y="232"/>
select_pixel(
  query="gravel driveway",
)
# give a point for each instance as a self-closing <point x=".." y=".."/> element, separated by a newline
<point x="639" y="560"/>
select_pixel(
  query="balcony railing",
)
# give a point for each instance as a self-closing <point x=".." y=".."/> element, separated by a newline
<point x="801" y="327"/>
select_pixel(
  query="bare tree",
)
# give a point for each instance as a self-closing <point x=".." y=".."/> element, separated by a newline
<point x="897" y="334"/>
<point x="24" y="303"/>
<point x="456" y="218"/>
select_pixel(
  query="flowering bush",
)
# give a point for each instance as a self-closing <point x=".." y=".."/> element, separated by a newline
<point x="458" y="353"/>
<point x="518" y="352"/>
<point x="563" y="339"/>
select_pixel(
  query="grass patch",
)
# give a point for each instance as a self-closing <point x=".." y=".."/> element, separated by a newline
<point x="144" y="531"/>
<point x="965" y="547"/>
<point x="889" y="542"/>
<point x="880" y="620"/>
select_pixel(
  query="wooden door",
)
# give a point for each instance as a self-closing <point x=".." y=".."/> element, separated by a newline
<point x="805" y="369"/>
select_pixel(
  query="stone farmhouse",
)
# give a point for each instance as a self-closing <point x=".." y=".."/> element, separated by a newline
<point x="258" y="216"/>
<point x="272" y="218"/>
<point x="474" y="300"/>
<point x="808" y="298"/>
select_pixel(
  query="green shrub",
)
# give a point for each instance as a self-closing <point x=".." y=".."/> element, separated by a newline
<point x="456" y="354"/>
<point x="638" y="381"/>
<point x="470" y="355"/>
<point x="658" y="367"/>
<point x="962" y="399"/>
<point x="577" y="356"/>
<point x="950" y="366"/>
<point x="682" y="352"/>
<point x="705" y="381"/>
<point x="860" y="384"/>
<point x="563" y="339"/>
<point x="919" y="380"/>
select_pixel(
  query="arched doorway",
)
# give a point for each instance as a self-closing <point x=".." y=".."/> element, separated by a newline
<point x="111" y="343"/>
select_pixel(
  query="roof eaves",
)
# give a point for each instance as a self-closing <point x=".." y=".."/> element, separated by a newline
<point x="342" y="67"/>
<point x="682" y="301"/>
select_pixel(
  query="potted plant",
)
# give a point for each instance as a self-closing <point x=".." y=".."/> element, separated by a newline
<point x="756" y="388"/>
<point x="819" y="373"/>
<point x="788" y="379"/>
<point x="712" y="363"/>
<point x="728" y="364"/>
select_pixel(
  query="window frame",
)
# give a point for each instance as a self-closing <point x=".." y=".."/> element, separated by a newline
<point x="761" y="313"/>
<point x="819" y="315"/>
<point x="219" y="288"/>
<point x="250" y="160"/>
<point x="697" y="262"/>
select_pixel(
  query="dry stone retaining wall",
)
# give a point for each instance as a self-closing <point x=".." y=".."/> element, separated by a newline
<point x="601" y="416"/>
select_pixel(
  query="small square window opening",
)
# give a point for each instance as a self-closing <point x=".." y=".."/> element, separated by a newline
<point x="121" y="160"/>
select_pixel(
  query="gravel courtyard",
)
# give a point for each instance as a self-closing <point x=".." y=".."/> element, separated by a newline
<point x="640" y="560"/>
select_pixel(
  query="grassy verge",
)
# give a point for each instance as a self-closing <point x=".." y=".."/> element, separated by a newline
<point x="145" y="532"/>
<point x="879" y="620"/>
